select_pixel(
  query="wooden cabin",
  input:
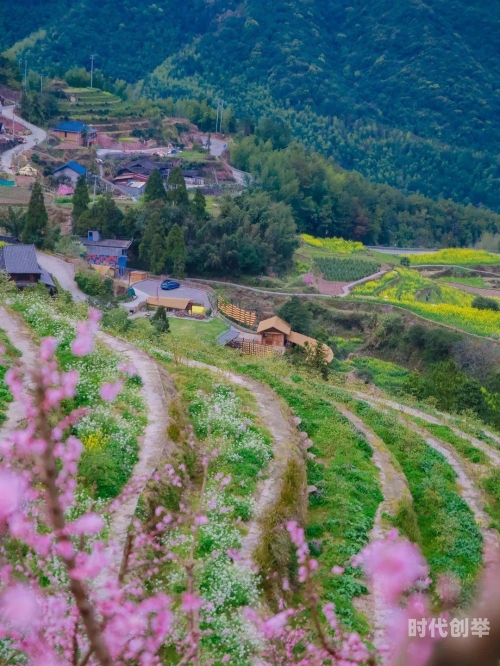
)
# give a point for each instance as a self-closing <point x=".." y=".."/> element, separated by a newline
<point x="276" y="332"/>
<point x="273" y="332"/>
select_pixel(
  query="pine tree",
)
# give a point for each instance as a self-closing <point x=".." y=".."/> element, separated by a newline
<point x="155" y="189"/>
<point x="153" y="250"/>
<point x="14" y="222"/>
<point x="198" y="206"/>
<point x="160" y="320"/>
<point x="37" y="219"/>
<point x="81" y="199"/>
<point x="176" y="251"/>
<point x="297" y="314"/>
<point x="177" y="191"/>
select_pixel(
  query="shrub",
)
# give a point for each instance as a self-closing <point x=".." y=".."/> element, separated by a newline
<point x="92" y="284"/>
<point x="116" y="319"/>
<point x="484" y="303"/>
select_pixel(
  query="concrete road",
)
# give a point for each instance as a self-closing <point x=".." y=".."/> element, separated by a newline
<point x="152" y="288"/>
<point x="64" y="271"/>
<point x="37" y="136"/>
<point x="116" y="152"/>
<point x="217" y="147"/>
<point x="402" y="250"/>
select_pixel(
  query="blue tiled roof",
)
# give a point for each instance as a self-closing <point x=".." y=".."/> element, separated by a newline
<point x="73" y="126"/>
<point x="73" y="165"/>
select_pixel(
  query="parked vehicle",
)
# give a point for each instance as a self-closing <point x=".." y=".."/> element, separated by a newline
<point x="170" y="284"/>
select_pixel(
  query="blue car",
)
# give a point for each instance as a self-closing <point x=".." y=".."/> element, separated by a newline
<point x="170" y="284"/>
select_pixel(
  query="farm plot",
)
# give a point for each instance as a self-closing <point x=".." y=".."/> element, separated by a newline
<point x="345" y="269"/>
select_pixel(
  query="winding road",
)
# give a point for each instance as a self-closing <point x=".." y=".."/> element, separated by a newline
<point x="37" y="136"/>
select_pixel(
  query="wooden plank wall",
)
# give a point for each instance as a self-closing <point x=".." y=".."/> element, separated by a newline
<point x="238" y="314"/>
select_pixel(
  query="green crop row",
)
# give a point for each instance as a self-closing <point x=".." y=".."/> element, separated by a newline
<point x="345" y="270"/>
<point x="451" y="540"/>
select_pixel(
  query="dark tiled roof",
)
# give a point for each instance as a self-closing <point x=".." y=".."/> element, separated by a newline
<point x="145" y="166"/>
<point x="19" y="259"/>
<point x="46" y="278"/>
<point x="107" y="242"/>
<point x="73" y="126"/>
<point x="73" y="165"/>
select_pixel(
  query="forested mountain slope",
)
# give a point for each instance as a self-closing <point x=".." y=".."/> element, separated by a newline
<point x="405" y="92"/>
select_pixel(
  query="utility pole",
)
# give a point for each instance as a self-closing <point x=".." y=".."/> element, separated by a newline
<point x="221" y="113"/>
<point x="92" y="69"/>
<point x="217" y="118"/>
<point x="41" y="82"/>
<point x="95" y="181"/>
<point x="25" y="74"/>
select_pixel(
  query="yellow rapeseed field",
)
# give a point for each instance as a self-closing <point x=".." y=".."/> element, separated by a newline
<point x="407" y="288"/>
<point x="338" y="245"/>
<point x="456" y="256"/>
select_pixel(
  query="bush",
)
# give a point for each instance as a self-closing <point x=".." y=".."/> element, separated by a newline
<point x="92" y="284"/>
<point x="116" y="320"/>
<point x="100" y="469"/>
<point x="484" y="303"/>
<point x="438" y="344"/>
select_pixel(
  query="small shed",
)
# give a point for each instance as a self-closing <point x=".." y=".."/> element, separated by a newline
<point x="137" y="276"/>
<point x="273" y="331"/>
<point x="70" y="171"/>
<point x="171" y="304"/>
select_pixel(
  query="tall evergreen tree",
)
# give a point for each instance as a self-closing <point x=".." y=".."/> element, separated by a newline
<point x="297" y="315"/>
<point x="176" y="251"/>
<point x="104" y="216"/>
<point x="153" y="248"/>
<point x="160" y="320"/>
<point x="177" y="191"/>
<point x="81" y="199"/>
<point x="198" y="207"/>
<point x="37" y="219"/>
<point x="155" y="190"/>
<point x="14" y="222"/>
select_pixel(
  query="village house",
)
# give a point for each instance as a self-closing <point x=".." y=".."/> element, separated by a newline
<point x="276" y="332"/>
<point x="75" y="132"/>
<point x="70" y="171"/>
<point x="21" y="265"/>
<point x="133" y="173"/>
<point x="141" y="169"/>
<point x="105" y="251"/>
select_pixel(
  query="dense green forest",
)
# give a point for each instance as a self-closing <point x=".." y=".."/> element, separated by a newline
<point x="251" y="234"/>
<point x="405" y="93"/>
<point x="328" y="201"/>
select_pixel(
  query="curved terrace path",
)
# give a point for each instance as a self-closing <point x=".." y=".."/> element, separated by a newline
<point x="468" y="491"/>
<point x="394" y="488"/>
<point x="277" y="418"/>
<point x="20" y="339"/>
<point x="158" y="391"/>
<point x="444" y="419"/>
